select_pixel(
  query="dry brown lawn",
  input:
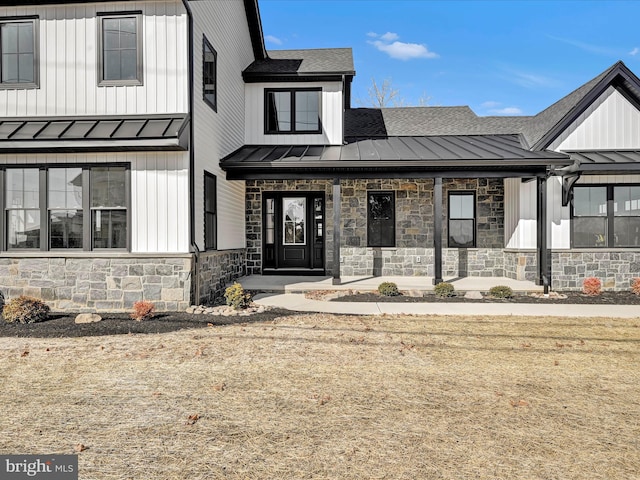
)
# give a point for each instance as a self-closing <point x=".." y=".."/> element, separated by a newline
<point x="321" y="396"/>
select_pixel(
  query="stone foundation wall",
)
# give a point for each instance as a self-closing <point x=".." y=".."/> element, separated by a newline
<point x="616" y="269"/>
<point x="216" y="270"/>
<point x="99" y="284"/>
<point x="521" y="264"/>
<point x="407" y="262"/>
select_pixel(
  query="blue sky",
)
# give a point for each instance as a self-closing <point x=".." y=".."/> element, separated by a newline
<point x="500" y="57"/>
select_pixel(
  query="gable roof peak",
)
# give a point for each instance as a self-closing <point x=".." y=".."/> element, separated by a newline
<point x="549" y="123"/>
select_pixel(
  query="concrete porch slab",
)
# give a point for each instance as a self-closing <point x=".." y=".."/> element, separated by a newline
<point x="298" y="284"/>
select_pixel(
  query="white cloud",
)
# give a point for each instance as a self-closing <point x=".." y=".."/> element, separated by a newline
<point x="372" y="34"/>
<point x="389" y="44"/>
<point x="272" y="39"/>
<point x="490" y="104"/>
<point x="635" y="51"/>
<point x="506" y="111"/>
<point x="389" y="37"/>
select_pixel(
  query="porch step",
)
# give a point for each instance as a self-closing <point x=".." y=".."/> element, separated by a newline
<point x="302" y="284"/>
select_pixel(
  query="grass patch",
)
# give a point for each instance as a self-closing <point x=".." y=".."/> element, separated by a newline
<point x="322" y="396"/>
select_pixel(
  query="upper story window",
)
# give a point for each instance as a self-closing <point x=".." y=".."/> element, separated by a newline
<point x="19" y="53"/>
<point x="209" y="73"/>
<point x="292" y="111"/>
<point x="120" y="41"/>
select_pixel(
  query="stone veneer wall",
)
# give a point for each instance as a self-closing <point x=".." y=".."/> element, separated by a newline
<point x="82" y="284"/>
<point x="616" y="269"/>
<point x="521" y="264"/>
<point x="414" y="223"/>
<point x="217" y="269"/>
<point x="414" y="231"/>
<point x="254" y="189"/>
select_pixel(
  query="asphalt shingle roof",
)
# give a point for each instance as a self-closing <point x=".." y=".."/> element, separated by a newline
<point x="304" y="62"/>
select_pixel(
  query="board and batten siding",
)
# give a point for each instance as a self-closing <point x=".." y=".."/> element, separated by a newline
<point x="159" y="194"/>
<point x="611" y="122"/>
<point x="68" y="63"/>
<point x="219" y="133"/>
<point x="520" y="230"/>
<point x="331" y="116"/>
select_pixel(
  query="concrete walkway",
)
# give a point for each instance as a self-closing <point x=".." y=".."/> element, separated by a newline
<point x="297" y="302"/>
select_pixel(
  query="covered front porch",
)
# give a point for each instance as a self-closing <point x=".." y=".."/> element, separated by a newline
<point x="424" y="209"/>
<point x="418" y="285"/>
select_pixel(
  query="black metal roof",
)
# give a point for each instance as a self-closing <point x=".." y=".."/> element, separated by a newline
<point x="606" y="160"/>
<point x="391" y="155"/>
<point x="155" y="132"/>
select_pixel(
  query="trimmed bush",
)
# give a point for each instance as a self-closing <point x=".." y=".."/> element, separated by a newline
<point x="444" y="290"/>
<point x="592" y="286"/>
<point x="24" y="309"/>
<point x="635" y="286"/>
<point x="501" y="291"/>
<point x="388" y="289"/>
<point x="236" y="297"/>
<point x="143" y="311"/>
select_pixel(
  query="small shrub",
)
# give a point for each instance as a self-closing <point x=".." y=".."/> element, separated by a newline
<point x="592" y="286"/>
<point x="143" y="311"/>
<point x="388" y="289"/>
<point x="236" y="297"/>
<point x="444" y="290"/>
<point x="24" y="309"/>
<point x="635" y="286"/>
<point x="501" y="291"/>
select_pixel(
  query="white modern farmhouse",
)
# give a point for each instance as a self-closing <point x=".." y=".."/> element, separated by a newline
<point x="155" y="150"/>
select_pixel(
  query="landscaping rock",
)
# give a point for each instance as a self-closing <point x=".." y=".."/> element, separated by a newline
<point x="473" y="294"/>
<point x="88" y="318"/>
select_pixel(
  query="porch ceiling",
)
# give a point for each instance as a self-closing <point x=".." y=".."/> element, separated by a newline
<point x="392" y="155"/>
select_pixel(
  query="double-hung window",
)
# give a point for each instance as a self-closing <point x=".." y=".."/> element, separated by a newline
<point x="462" y="220"/>
<point x="292" y="111"/>
<point x="120" y="48"/>
<point x="209" y="73"/>
<point x="381" y="219"/>
<point x="210" y="212"/>
<point x="84" y="208"/>
<point x="19" y="52"/>
<point x="606" y="216"/>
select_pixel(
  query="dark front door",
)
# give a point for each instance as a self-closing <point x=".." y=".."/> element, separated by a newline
<point x="293" y="227"/>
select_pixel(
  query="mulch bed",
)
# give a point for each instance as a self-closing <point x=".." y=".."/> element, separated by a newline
<point x="63" y="324"/>
<point x="606" y="298"/>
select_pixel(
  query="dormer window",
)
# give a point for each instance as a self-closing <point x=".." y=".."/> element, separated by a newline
<point x="18" y="53"/>
<point x="292" y="111"/>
